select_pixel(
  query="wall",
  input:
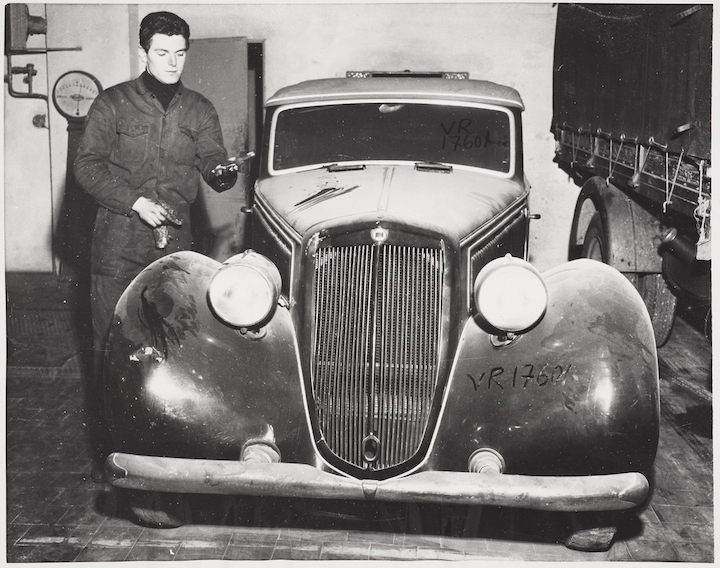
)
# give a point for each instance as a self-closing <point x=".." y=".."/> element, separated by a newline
<point x="35" y="158"/>
<point x="28" y="201"/>
<point x="505" y="43"/>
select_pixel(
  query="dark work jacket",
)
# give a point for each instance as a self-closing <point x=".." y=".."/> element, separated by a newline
<point x="131" y="147"/>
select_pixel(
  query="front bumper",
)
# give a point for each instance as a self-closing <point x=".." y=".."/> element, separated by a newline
<point x="181" y="475"/>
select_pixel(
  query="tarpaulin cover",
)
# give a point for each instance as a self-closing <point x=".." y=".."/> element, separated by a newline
<point x="639" y="70"/>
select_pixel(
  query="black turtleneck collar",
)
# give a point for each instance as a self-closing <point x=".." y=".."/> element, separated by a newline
<point x="162" y="91"/>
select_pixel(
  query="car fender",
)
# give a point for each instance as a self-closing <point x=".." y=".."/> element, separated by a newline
<point x="577" y="394"/>
<point x="179" y="382"/>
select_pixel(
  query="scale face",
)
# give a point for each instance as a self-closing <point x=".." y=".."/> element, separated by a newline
<point x="74" y="92"/>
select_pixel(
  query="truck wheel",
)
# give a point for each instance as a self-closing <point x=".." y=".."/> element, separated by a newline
<point x="659" y="300"/>
<point x="155" y="509"/>
<point x="660" y="303"/>
<point x="595" y="246"/>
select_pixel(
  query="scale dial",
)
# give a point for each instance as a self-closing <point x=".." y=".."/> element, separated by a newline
<point x="74" y="92"/>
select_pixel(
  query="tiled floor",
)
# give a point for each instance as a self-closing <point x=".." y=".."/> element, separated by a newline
<point x="55" y="513"/>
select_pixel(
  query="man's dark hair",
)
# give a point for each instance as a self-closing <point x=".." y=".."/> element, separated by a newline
<point x="165" y="23"/>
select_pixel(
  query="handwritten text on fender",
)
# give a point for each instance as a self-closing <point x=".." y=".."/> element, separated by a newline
<point x="522" y="377"/>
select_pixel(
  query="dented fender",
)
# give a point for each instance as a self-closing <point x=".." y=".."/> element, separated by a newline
<point x="578" y="394"/>
<point x="179" y="382"/>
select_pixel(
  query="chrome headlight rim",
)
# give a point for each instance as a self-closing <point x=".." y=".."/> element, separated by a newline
<point x="245" y="290"/>
<point x="510" y="296"/>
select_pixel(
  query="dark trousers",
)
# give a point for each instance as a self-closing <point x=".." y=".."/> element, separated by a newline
<point x="105" y="291"/>
<point x="122" y="247"/>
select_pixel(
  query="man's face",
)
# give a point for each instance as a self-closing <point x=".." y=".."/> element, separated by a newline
<point x="166" y="57"/>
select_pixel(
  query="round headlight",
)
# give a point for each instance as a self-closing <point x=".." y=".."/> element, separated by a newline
<point x="510" y="294"/>
<point x="245" y="290"/>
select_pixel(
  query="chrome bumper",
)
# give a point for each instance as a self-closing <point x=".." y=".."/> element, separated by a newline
<point x="180" y="475"/>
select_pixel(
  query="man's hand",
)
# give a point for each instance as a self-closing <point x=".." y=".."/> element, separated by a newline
<point x="232" y="165"/>
<point x="222" y="170"/>
<point x="150" y="211"/>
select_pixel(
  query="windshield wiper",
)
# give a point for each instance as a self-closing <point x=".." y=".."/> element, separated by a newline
<point x="433" y="167"/>
<point x="344" y="167"/>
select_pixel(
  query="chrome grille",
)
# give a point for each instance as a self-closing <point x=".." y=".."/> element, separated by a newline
<point x="376" y="338"/>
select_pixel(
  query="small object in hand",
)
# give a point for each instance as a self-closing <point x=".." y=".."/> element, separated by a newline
<point x="162" y="236"/>
<point x="232" y="165"/>
<point x="162" y="233"/>
<point x="171" y="214"/>
<point x="224" y="169"/>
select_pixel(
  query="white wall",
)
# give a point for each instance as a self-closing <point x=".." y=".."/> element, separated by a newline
<point x="28" y="198"/>
<point x="505" y="43"/>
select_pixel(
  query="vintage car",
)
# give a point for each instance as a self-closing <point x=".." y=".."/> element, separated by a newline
<point x="385" y="337"/>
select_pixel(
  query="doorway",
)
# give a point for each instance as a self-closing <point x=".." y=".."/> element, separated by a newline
<point x="229" y="72"/>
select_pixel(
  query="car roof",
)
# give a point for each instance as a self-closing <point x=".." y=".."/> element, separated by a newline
<point x="460" y="90"/>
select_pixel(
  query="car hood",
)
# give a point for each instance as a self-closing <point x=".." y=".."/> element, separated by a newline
<point x="450" y="203"/>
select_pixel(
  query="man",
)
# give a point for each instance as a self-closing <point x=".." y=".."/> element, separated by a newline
<point x="144" y="142"/>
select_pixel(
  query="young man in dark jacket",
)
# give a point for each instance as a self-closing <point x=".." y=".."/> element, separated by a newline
<point x="144" y="143"/>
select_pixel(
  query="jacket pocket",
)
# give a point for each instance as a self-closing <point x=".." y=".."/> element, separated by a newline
<point x="187" y="147"/>
<point x="190" y="133"/>
<point x="132" y="141"/>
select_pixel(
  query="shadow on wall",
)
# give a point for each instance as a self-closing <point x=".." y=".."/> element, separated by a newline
<point x="73" y="236"/>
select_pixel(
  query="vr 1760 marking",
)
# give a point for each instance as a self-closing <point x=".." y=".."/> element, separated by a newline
<point x="520" y="377"/>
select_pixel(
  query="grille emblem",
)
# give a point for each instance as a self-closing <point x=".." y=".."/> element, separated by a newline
<point x="379" y="235"/>
<point x="371" y="448"/>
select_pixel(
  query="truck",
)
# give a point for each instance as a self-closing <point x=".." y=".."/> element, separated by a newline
<point x="631" y="120"/>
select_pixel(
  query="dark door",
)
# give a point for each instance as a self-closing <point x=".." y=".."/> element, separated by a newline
<point x="218" y="68"/>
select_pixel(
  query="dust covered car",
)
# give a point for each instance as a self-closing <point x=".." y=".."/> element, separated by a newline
<point x="385" y="337"/>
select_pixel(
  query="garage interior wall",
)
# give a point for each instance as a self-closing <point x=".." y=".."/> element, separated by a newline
<point x="506" y="43"/>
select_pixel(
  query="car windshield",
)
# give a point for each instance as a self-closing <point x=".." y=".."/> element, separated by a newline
<point x="470" y="136"/>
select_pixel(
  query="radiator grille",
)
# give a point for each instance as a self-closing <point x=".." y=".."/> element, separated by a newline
<point x="376" y="337"/>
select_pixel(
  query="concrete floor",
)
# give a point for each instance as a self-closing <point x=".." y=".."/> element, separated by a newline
<point x="55" y="513"/>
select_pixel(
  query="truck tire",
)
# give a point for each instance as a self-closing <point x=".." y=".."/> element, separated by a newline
<point x="595" y="245"/>
<point x="660" y="302"/>
<point x="658" y="298"/>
